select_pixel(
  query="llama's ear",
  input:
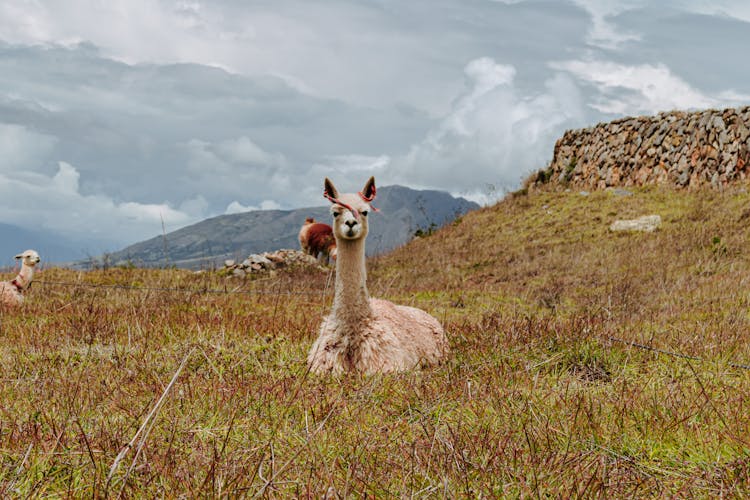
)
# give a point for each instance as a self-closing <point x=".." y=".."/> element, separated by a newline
<point x="330" y="189"/>
<point x="19" y="256"/>
<point x="369" y="190"/>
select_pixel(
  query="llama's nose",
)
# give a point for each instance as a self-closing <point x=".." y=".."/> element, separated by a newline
<point x="351" y="223"/>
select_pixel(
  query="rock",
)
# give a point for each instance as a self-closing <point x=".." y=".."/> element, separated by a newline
<point x="723" y="139"/>
<point x="647" y="223"/>
<point x="276" y="257"/>
<point x="682" y="164"/>
<point x="621" y="192"/>
<point x="258" y="259"/>
<point x="715" y="180"/>
<point x="684" y="178"/>
<point x="269" y="261"/>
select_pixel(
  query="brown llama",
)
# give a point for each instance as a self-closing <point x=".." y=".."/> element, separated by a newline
<point x="317" y="239"/>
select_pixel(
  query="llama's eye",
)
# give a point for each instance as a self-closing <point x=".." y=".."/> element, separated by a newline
<point x="364" y="213"/>
<point x="336" y="214"/>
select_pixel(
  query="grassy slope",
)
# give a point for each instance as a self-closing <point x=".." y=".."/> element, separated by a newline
<point x="537" y="397"/>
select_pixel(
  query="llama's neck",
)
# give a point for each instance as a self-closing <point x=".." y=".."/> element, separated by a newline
<point x="24" y="276"/>
<point x="351" y="303"/>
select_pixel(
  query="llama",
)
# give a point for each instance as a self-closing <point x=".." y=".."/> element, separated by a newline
<point x="363" y="334"/>
<point x="11" y="292"/>
<point x="303" y="234"/>
<point x="316" y="239"/>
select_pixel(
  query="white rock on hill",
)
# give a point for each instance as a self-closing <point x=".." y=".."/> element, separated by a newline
<point x="647" y="223"/>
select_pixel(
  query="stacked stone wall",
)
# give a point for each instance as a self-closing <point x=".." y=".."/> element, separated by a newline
<point x="687" y="149"/>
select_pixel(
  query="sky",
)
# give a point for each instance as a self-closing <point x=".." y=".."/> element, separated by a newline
<point x="123" y="118"/>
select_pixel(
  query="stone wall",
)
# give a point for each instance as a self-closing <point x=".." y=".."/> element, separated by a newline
<point x="709" y="147"/>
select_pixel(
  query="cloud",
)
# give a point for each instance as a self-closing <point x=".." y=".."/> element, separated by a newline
<point x="66" y="179"/>
<point x="235" y="168"/>
<point x="196" y="207"/>
<point x="149" y="133"/>
<point x="239" y="158"/>
<point x="729" y="8"/>
<point x="236" y="207"/>
<point x="344" y="165"/>
<point x="349" y="51"/>
<point x="89" y="217"/>
<point x="601" y="10"/>
<point x="22" y="149"/>
<point x="487" y="74"/>
<point x="628" y="89"/>
<point x="244" y="150"/>
<point x="494" y="135"/>
<point x="602" y="32"/>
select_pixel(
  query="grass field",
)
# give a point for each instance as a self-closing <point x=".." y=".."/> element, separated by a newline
<point x="145" y="384"/>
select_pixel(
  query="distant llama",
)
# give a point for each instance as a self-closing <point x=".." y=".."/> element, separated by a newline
<point x="303" y="234"/>
<point x="363" y="334"/>
<point x="11" y="292"/>
<point x="316" y="239"/>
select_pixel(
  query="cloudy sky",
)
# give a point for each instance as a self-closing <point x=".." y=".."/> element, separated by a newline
<point x="118" y="115"/>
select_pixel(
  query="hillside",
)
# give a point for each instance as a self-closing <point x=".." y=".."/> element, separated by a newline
<point x="557" y="242"/>
<point x="684" y="287"/>
<point x="543" y="394"/>
<point x="403" y="211"/>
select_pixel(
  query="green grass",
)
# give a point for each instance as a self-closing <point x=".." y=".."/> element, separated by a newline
<point x="537" y="399"/>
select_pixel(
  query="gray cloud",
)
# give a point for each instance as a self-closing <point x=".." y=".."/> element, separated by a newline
<point x="370" y="53"/>
<point x="495" y="133"/>
<point x="56" y="204"/>
<point x="164" y="135"/>
<point x="145" y="111"/>
<point x="705" y="50"/>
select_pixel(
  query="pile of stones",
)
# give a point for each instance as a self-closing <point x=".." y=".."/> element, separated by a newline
<point x="269" y="261"/>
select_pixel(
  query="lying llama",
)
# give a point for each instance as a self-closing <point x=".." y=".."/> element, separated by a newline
<point x="11" y="292"/>
<point x="317" y="239"/>
<point x="363" y="334"/>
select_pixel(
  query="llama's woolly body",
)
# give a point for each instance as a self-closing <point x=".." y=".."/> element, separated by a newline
<point x="393" y="338"/>
<point x="320" y="240"/>
<point x="362" y="334"/>
<point x="11" y="292"/>
<point x="10" y="295"/>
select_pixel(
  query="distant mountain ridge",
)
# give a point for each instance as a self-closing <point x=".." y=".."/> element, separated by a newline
<point x="403" y="211"/>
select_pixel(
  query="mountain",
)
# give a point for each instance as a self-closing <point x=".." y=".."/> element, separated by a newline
<point x="51" y="247"/>
<point x="403" y="212"/>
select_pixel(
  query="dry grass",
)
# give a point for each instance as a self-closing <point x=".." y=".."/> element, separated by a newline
<point x="537" y="399"/>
